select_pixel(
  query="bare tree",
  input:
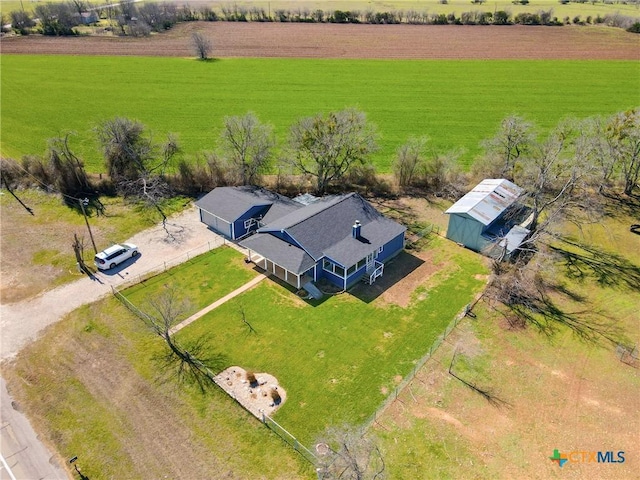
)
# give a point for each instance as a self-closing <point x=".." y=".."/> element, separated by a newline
<point x="512" y="142"/>
<point x="193" y="361"/>
<point x="327" y="146"/>
<point x="623" y="134"/>
<point x="21" y="22"/>
<point x="247" y="145"/>
<point x="557" y="180"/>
<point x="67" y="169"/>
<point x="125" y="147"/>
<point x="348" y="453"/>
<point x="202" y="45"/>
<point x="137" y="165"/>
<point x="409" y="159"/>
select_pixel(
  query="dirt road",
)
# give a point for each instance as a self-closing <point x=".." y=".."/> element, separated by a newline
<point x="22" y="322"/>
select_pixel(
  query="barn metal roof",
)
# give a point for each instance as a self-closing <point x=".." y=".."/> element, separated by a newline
<point x="487" y="200"/>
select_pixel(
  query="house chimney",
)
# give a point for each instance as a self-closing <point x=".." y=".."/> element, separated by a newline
<point x="355" y="230"/>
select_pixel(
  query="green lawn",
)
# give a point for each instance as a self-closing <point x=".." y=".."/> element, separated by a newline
<point x="206" y="278"/>
<point x="339" y="358"/>
<point x="456" y="103"/>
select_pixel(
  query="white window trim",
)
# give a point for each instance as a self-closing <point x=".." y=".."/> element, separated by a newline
<point x="250" y="222"/>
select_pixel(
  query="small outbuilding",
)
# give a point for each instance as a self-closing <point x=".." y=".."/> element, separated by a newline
<point x="489" y="219"/>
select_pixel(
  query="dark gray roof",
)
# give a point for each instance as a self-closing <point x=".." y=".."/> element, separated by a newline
<point x="229" y="203"/>
<point x="373" y="235"/>
<point x="325" y="228"/>
<point x="280" y="252"/>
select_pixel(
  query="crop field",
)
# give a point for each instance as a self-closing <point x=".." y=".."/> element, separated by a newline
<point x="456" y="104"/>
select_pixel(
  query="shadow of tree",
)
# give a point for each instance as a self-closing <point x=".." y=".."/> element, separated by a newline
<point x="486" y="393"/>
<point x="607" y="268"/>
<point x="621" y="204"/>
<point x="200" y="368"/>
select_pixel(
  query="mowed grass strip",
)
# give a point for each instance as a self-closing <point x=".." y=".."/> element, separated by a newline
<point x="339" y="359"/>
<point x="202" y="280"/>
<point x="456" y="103"/>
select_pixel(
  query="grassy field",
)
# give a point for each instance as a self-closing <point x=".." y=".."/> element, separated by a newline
<point x="432" y="6"/>
<point x="42" y="257"/>
<point x="349" y="351"/>
<point x="547" y="392"/>
<point x="456" y="103"/>
<point x="108" y="398"/>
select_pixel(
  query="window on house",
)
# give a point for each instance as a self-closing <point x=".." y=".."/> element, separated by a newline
<point x="249" y="223"/>
<point x="351" y="270"/>
<point x="331" y="267"/>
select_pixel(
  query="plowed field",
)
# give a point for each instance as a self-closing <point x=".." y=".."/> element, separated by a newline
<point x="355" y="41"/>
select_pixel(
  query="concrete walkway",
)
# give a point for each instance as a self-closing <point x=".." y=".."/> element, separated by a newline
<point x="217" y="303"/>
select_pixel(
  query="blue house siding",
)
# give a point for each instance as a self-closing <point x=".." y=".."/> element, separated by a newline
<point x="256" y="212"/>
<point x="356" y="276"/>
<point x="391" y="248"/>
<point x="331" y="277"/>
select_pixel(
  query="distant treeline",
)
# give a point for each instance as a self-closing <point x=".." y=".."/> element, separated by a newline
<point x="127" y="18"/>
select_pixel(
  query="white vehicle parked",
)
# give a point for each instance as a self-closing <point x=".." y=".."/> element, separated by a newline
<point x="115" y="255"/>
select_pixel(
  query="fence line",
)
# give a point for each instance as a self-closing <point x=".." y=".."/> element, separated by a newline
<point x="166" y="265"/>
<point x="392" y="397"/>
<point x="266" y="419"/>
<point x="289" y="438"/>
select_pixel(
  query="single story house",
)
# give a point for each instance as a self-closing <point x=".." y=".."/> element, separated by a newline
<point x="340" y="238"/>
<point x="489" y="219"/>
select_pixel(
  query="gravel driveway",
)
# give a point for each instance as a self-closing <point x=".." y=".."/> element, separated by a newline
<point x="22" y="322"/>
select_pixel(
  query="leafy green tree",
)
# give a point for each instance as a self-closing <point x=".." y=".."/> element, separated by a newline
<point x="327" y="146"/>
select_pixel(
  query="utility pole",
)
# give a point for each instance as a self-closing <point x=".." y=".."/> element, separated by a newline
<point x="83" y="203"/>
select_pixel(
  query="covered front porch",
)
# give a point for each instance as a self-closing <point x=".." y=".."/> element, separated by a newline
<point x="270" y="267"/>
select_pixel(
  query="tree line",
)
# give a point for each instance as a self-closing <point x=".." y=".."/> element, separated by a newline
<point x="332" y="151"/>
<point x="128" y="18"/>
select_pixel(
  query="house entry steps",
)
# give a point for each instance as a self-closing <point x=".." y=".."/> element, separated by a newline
<point x="313" y="290"/>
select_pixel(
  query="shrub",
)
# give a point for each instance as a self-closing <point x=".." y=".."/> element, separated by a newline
<point x="635" y="28"/>
<point x="275" y="396"/>
<point x="251" y="378"/>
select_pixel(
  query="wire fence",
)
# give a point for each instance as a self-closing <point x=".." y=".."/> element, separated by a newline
<point x="393" y="396"/>
<point x="166" y="265"/>
<point x="266" y="419"/>
<point x="289" y="438"/>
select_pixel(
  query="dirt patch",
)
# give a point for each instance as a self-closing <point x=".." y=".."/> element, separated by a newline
<point x="354" y="41"/>
<point x="264" y="395"/>
<point x="409" y="278"/>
